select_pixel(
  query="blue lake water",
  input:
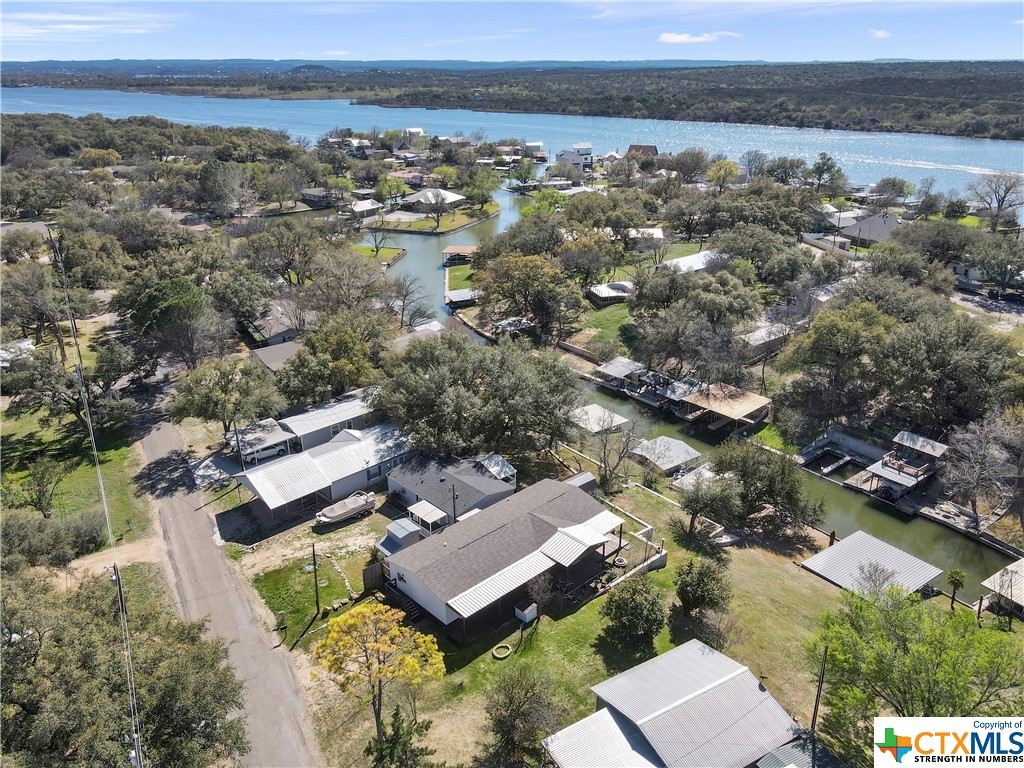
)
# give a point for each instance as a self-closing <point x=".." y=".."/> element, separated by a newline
<point x="864" y="156"/>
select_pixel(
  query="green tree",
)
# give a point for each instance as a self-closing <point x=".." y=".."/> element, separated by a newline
<point x="1000" y="194"/>
<point x="956" y="580"/>
<point x="63" y="686"/>
<point x="714" y="499"/>
<point x="446" y="175"/>
<point x="398" y="748"/>
<point x="635" y="611"/>
<point x="772" y="493"/>
<point x="19" y="244"/>
<point x="520" y="708"/>
<point x="525" y="171"/>
<point x="40" y="487"/>
<point x="723" y="173"/>
<point x="177" y="318"/>
<point x="529" y="286"/>
<point x="883" y="646"/>
<point x="824" y="169"/>
<point x="228" y="392"/>
<point x="370" y="650"/>
<point x="955" y="209"/>
<point x="702" y="584"/>
<point x="1001" y="259"/>
<point x="305" y="379"/>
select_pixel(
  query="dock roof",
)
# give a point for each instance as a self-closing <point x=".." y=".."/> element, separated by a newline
<point x="847" y="564"/>
<point x="921" y="444"/>
<point x="1009" y="582"/>
<point x="666" y="452"/>
<point x="595" y="418"/>
<point x="727" y="400"/>
<point x="620" y="367"/>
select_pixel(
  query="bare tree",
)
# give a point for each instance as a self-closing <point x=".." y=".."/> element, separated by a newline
<point x="380" y="236"/>
<point x="541" y="589"/>
<point x="656" y="248"/>
<point x="977" y="464"/>
<point x="409" y="298"/>
<point x="1000" y="193"/>
<point x="612" y="450"/>
<point x="437" y="208"/>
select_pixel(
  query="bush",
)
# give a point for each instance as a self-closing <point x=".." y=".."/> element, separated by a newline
<point x="635" y="611"/>
<point x="701" y="584"/>
<point x="30" y="539"/>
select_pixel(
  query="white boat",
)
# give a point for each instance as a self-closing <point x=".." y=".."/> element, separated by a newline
<point x="358" y="503"/>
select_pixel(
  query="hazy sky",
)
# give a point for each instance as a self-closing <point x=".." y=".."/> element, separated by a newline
<point x="776" y="30"/>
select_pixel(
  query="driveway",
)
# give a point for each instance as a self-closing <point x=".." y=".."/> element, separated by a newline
<point x="204" y="586"/>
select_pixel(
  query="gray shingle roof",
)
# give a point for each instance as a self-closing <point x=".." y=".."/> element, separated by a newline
<point x="434" y="480"/>
<point x="465" y="554"/>
<point x="844" y="562"/>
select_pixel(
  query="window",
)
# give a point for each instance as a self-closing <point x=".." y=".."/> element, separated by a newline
<point x="335" y="429"/>
<point x="373" y="472"/>
<point x="348" y="424"/>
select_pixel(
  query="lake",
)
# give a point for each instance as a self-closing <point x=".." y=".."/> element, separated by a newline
<point x="865" y="157"/>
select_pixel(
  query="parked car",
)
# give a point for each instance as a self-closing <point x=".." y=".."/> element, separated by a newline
<point x="264" y="453"/>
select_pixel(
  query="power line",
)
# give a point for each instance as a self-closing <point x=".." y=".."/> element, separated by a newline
<point x="136" y="755"/>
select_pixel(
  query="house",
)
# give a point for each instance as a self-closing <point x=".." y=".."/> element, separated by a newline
<point x="471" y="575"/>
<point x="856" y="562"/>
<point x="694" y="263"/>
<point x="318" y="425"/>
<point x="352" y="461"/>
<point x="666" y="454"/>
<point x="317" y="197"/>
<point x="690" y="706"/>
<point x="1007" y="588"/>
<point x="584" y="148"/>
<point x="421" y="331"/>
<point x="415" y="133"/>
<point x="439" y="492"/>
<point x="274" y="357"/>
<point x="581" y="163"/>
<point x="533" y="148"/>
<point x="620" y="372"/>
<point x="363" y="209"/>
<point x="428" y="200"/>
<point x="596" y="419"/>
<point x="648" y="150"/>
<point x="281" y="322"/>
<point x="842" y="219"/>
<point x="765" y="338"/>
<point x="606" y="294"/>
<point x="909" y="465"/>
<point x="412" y="178"/>
<point x="874" y="229"/>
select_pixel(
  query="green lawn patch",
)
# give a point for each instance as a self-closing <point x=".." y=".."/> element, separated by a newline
<point x="460" y="276"/>
<point x="25" y="439"/>
<point x="601" y="327"/>
<point x="677" y="250"/>
<point x="460" y="217"/>
<point x="769" y="435"/>
<point x="968" y="221"/>
<point x="385" y="256"/>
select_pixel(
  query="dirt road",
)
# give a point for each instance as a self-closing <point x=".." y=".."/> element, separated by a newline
<point x="205" y="586"/>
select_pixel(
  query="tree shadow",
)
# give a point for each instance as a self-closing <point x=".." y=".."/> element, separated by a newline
<point x="717" y="629"/>
<point x="620" y="653"/>
<point x="165" y="476"/>
<point x="789" y="544"/>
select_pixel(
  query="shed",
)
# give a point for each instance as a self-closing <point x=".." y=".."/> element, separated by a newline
<point x="596" y="419"/>
<point x="399" y="534"/>
<point x="667" y="454"/>
<point x="848" y="562"/>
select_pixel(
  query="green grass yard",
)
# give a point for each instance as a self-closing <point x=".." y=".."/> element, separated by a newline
<point x="385" y="256"/>
<point x="460" y="217"/>
<point x="460" y="276"/>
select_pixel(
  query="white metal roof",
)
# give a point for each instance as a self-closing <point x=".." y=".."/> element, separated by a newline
<point x="285" y="480"/>
<point x="601" y="739"/>
<point x="620" y="367"/>
<point x="845" y="564"/>
<point x="921" y="444"/>
<point x="504" y="581"/>
<point x="365" y="205"/>
<point x="324" y="416"/>
<point x="604" y="522"/>
<point x="1008" y="582"/>
<point x="595" y="418"/>
<point x="355" y="450"/>
<point x="259" y="434"/>
<point x="427" y="512"/>
<point x="893" y="475"/>
<point x="666" y="452"/>
<point x="694" y="263"/>
<point x="567" y="544"/>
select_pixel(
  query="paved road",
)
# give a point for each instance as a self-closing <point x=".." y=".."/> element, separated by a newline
<point x="204" y="585"/>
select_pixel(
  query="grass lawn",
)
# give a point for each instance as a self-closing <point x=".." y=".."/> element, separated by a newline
<point x="452" y="220"/>
<point x="677" y="250"/>
<point x="601" y="326"/>
<point x="967" y="221"/>
<point x="460" y="276"/>
<point x="385" y="256"/>
<point x="769" y="435"/>
<point x="25" y="439"/>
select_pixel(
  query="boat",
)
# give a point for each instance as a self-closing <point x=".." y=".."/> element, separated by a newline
<point x="360" y="502"/>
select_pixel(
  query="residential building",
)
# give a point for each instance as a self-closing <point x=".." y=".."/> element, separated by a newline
<point x="281" y="322"/>
<point x="666" y="454"/>
<point x="582" y="163"/>
<point x="428" y="200"/>
<point x="438" y="492"/>
<point x="649" y="150"/>
<point x="874" y="229"/>
<point x="318" y="425"/>
<point x="690" y="706"/>
<point x="318" y="197"/>
<point x="274" y="357"/>
<point x="354" y="460"/>
<point x="470" y="575"/>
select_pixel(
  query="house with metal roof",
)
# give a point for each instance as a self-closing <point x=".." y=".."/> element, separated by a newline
<point x="470" y="575"/>
<point x="667" y="454"/>
<point x="860" y="563"/>
<point x="691" y="706"/>
<point x="908" y="466"/>
<point x="696" y="262"/>
<point x="806" y="752"/>
<point x="437" y="492"/>
<point x="353" y="460"/>
<point x="317" y="425"/>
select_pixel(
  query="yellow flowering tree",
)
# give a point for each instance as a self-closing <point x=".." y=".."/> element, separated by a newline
<point x="369" y="649"/>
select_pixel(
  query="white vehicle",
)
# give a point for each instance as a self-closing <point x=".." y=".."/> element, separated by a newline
<point x="270" y="452"/>
<point x="360" y="502"/>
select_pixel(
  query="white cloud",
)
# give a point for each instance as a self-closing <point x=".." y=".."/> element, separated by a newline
<point x="1019" y="21"/>
<point x="707" y="37"/>
<point x="81" y="26"/>
<point x="880" y="34"/>
<point x="337" y="53"/>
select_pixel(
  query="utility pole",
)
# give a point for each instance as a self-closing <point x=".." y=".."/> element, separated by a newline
<point x="455" y="513"/>
<point x="316" y="582"/>
<point x="817" y="696"/>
